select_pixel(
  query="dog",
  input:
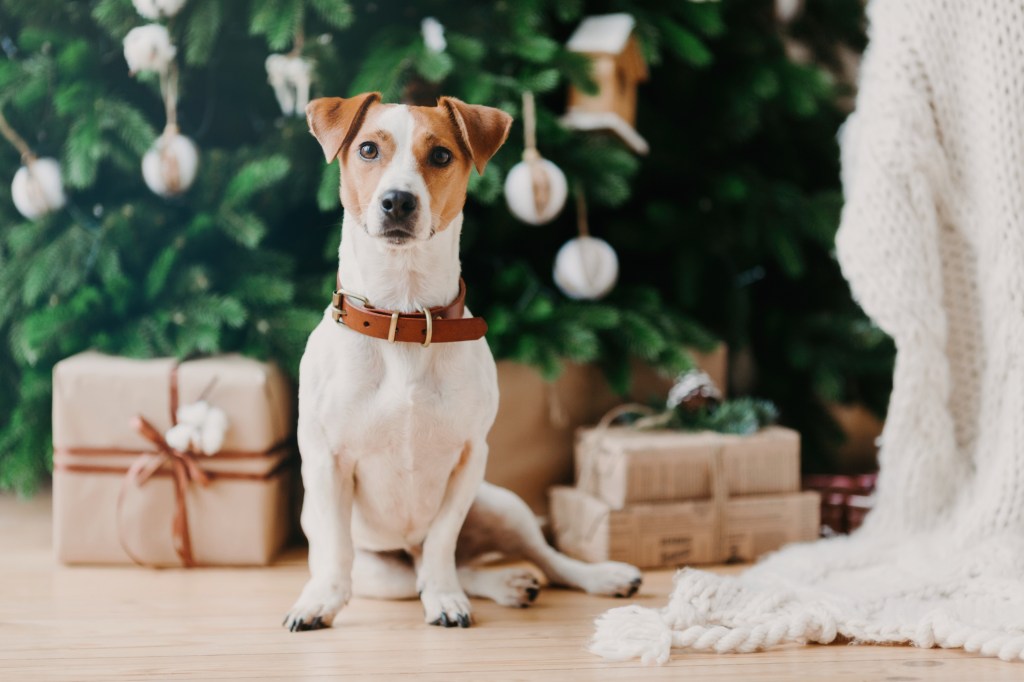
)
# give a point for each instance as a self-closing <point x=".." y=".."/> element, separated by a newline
<point x="398" y="389"/>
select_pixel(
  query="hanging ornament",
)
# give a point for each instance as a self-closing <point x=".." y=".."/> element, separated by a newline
<point x="788" y="10"/>
<point x="290" y="76"/>
<point x="433" y="34"/>
<point x="617" y="67"/>
<point x="37" y="188"/>
<point x="693" y="391"/>
<point x="148" y="48"/>
<point x="535" y="188"/>
<point x="169" y="167"/>
<point x="586" y="268"/>
<point x="158" y="9"/>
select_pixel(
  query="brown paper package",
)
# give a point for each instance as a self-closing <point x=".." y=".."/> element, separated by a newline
<point x="623" y="466"/>
<point x="231" y="521"/>
<point x="531" y="443"/>
<point x="680" y="533"/>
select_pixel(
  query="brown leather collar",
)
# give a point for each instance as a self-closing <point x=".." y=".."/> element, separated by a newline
<point x="441" y="324"/>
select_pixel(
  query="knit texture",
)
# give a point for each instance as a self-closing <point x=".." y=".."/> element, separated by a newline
<point x="932" y="242"/>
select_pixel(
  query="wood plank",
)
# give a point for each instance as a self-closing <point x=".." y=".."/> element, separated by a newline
<point x="126" y="623"/>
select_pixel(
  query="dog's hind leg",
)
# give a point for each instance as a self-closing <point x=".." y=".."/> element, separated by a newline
<point x="516" y="587"/>
<point x="499" y="521"/>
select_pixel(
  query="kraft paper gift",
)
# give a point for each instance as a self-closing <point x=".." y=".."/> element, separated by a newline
<point x="674" y="534"/>
<point x="121" y="494"/>
<point x="624" y="466"/>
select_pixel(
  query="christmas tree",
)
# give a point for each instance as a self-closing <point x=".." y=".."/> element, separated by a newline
<point x="723" y="231"/>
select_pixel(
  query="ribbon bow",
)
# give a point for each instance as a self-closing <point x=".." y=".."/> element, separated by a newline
<point x="185" y="470"/>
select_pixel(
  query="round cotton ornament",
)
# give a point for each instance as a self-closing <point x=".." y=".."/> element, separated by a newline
<point x="433" y="35"/>
<point x="157" y="9"/>
<point x="535" y="188"/>
<point x="170" y="165"/>
<point x="290" y="76"/>
<point x="586" y="268"/>
<point x="37" y="188"/>
<point x="148" y="48"/>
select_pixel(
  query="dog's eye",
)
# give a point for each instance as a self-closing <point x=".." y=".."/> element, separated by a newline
<point x="439" y="156"/>
<point x="368" y="151"/>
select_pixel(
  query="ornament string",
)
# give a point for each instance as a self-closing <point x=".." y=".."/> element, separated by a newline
<point x="298" y="42"/>
<point x="532" y="157"/>
<point x="581" y="211"/>
<point x="529" y="127"/>
<point x="16" y="140"/>
<point x="169" y="92"/>
<point x="583" y="227"/>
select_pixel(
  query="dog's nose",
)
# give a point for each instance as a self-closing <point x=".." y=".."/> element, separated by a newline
<point x="398" y="205"/>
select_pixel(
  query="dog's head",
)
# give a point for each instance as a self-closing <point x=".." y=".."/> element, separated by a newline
<point x="404" y="169"/>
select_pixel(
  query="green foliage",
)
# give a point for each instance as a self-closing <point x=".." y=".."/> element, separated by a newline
<point x="724" y="231"/>
<point x="740" y="416"/>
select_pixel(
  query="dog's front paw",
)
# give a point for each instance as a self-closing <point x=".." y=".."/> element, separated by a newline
<point x="317" y="606"/>
<point x="447" y="609"/>
<point x="612" y="579"/>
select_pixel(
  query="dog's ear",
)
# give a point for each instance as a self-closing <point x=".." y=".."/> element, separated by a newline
<point x="482" y="130"/>
<point x="334" y="121"/>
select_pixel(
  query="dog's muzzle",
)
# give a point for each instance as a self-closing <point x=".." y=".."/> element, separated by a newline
<point x="398" y="210"/>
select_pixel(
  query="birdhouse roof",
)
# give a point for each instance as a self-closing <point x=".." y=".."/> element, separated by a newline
<point x="604" y="33"/>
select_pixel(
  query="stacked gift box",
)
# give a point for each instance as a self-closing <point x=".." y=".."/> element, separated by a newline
<point x="663" y="498"/>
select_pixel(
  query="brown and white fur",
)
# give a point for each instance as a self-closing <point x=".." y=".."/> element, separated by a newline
<point x="393" y="436"/>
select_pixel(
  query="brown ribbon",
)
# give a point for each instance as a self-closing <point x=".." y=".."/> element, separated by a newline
<point x="185" y="470"/>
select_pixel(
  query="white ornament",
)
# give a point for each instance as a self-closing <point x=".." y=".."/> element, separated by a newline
<point x="787" y="10"/>
<point x="433" y="34"/>
<point x="170" y="165"/>
<point x="586" y="268"/>
<point x="200" y="428"/>
<point x="37" y="188"/>
<point x="148" y="48"/>
<point x="290" y="77"/>
<point x="157" y="9"/>
<point x="536" y="191"/>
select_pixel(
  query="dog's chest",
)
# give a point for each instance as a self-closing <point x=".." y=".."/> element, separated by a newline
<point x="405" y="419"/>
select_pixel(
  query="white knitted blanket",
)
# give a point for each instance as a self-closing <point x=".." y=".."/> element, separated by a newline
<point x="932" y="242"/>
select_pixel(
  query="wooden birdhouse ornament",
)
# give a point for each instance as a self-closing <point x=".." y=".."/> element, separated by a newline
<point x="618" y="68"/>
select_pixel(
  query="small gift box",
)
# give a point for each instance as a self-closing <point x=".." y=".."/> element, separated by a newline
<point x="623" y="466"/>
<point x="164" y="463"/>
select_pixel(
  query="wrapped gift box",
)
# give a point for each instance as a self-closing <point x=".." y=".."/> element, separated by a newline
<point x="623" y="466"/>
<point x="120" y="493"/>
<point x="681" y="533"/>
<point x="531" y="442"/>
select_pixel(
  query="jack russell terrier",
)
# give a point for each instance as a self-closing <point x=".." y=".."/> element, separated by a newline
<point x="398" y="388"/>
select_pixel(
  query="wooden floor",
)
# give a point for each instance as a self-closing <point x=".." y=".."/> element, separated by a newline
<point x="60" y="623"/>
